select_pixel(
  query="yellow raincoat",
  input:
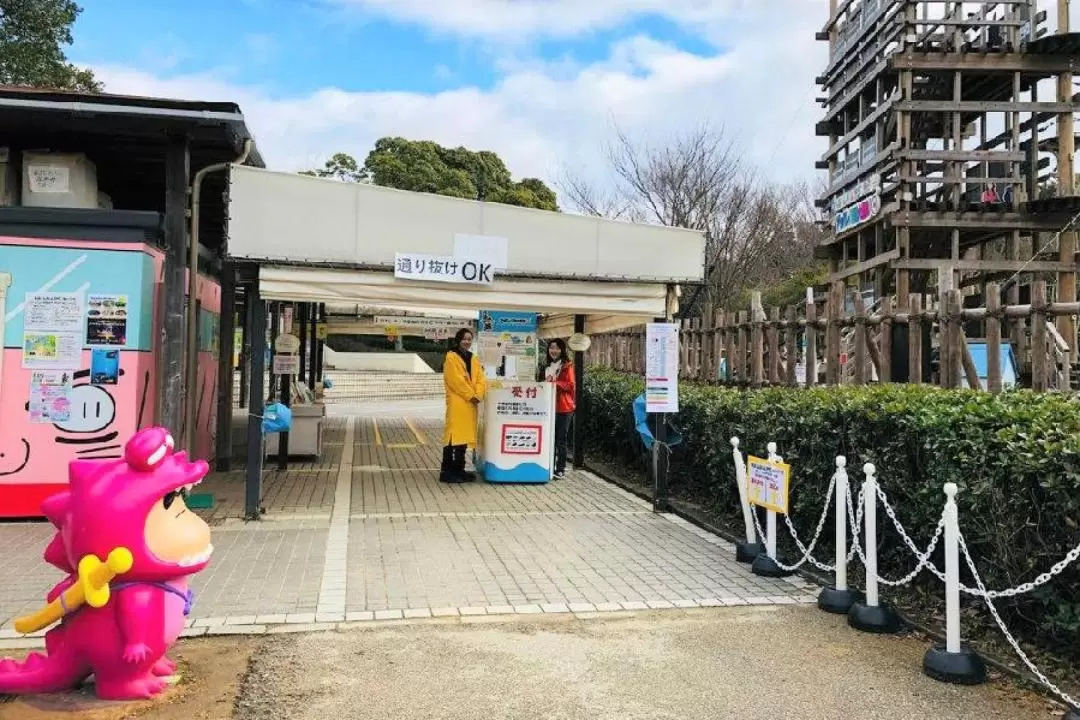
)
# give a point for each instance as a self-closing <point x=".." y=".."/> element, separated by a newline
<point x="461" y="412"/>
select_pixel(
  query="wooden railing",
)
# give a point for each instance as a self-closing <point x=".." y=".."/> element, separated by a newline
<point x="754" y="348"/>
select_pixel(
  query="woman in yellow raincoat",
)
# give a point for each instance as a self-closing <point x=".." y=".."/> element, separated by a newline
<point x="463" y="378"/>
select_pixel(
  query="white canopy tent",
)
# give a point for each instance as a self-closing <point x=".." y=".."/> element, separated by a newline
<point x="319" y="240"/>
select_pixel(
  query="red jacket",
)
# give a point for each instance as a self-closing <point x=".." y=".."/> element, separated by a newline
<point x="565" y="389"/>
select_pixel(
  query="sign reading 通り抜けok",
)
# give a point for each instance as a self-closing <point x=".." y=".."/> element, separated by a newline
<point x="767" y="484"/>
<point x="442" y="268"/>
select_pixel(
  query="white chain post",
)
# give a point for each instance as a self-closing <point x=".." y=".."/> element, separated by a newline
<point x="768" y="563"/>
<point x="745" y="552"/>
<point x="838" y="599"/>
<point x="871" y="615"/>
<point x="953" y="663"/>
<point x="770" y="515"/>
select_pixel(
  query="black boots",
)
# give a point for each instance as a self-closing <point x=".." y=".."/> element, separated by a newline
<point x="453" y="465"/>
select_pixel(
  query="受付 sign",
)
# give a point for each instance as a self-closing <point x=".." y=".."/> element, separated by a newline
<point x="767" y="484"/>
<point x="442" y="268"/>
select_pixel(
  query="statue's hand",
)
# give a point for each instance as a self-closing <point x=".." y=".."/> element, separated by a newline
<point x="136" y="653"/>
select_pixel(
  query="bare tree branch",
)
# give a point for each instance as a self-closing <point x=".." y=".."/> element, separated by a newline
<point x="757" y="234"/>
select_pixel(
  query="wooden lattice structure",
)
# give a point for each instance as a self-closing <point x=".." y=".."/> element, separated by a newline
<point x="947" y="169"/>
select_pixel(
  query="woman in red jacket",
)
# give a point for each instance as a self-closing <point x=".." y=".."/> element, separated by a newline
<point x="559" y="369"/>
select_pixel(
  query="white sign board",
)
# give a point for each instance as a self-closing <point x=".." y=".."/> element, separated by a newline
<point x="286" y="365"/>
<point x="443" y="268"/>
<point x="662" y="368"/>
<point x="491" y="248"/>
<point x="413" y="321"/>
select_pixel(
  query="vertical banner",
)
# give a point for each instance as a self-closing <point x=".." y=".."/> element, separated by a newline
<point x="662" y="368"/>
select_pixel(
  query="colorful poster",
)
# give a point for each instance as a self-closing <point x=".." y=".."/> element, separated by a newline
<point x="104" y="366"/>
<point x="61" y="312"/>
<point x="767" y="484"/>
<point x="662" y="368"/>
<point x="50" y="396"/>
<point x="506" y="344"/>
<point x="49" y="350"/>
<point x="106" y="320"/>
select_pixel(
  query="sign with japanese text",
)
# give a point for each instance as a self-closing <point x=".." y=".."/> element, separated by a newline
<point x="442" y="268"/>
<point x="662" y="368"/>
<point x="767" y="484"/>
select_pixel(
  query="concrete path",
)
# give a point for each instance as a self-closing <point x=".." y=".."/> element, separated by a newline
<point x="759" y="663"/>
<point x="367" y="533"/>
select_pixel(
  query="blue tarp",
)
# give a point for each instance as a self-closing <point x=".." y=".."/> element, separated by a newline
<point x="276" y="418"/>
<point x="979" y="356"/>
<point x="641" y="424"/>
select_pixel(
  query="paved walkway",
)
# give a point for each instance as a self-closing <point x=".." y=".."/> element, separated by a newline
<point x="368" y="533"/>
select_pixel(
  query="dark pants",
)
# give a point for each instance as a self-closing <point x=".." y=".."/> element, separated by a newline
<point x="453" y="463"/>
<point x="562" y="432"/>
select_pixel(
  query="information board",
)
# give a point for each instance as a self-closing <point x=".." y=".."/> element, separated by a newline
<point x="662" y="368"/>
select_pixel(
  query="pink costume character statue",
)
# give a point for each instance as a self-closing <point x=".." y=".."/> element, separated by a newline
<point x="135" y="503"/>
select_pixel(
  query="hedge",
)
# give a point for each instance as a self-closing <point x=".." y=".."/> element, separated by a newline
<point x="1015" y="457"/>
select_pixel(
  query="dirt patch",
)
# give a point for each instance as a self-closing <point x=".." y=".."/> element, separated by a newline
<point x="205" y="689"/>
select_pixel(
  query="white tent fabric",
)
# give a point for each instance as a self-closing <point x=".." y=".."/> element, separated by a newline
<point x="610" y="305"/>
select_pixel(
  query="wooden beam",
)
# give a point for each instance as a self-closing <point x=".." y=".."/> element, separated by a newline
<point x="983" y="265"/>
<point x="981" y="106"/>
<point x="998" y="62"/>
<point x="962" y="155"/>
<point x="989" y="221"/>
<point x="882" y="259"/>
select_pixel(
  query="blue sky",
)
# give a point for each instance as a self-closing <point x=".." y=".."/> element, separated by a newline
<point x="541" y="82"/>
<point x="294" y="46"/>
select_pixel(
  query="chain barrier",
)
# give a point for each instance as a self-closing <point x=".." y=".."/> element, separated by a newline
<point x="807" y="551"/>
<point x="855" y="509"/>
<point x="1021" y="589"/>
<point x="982" y="592"/>
<point x="924" y="558"/>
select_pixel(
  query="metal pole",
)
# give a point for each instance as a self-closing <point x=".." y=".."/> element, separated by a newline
<point x="579" y="394"/>
<point x="253" y="485"/>
<point x="226" y="323"/>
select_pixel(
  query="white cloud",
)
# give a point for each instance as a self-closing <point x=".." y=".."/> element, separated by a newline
<point x="542" y="116"/>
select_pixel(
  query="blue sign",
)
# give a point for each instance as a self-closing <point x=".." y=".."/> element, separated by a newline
<point x="507" y="321"/>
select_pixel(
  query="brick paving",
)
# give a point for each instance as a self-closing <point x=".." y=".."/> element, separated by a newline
<point x="378" y="537"/>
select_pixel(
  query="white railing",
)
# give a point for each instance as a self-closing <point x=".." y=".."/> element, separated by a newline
<point x="952" y="663"/>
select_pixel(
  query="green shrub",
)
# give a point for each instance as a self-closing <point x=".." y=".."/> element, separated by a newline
<point x="1015" y="457"/>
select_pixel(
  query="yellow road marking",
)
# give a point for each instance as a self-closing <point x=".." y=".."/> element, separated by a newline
<point x="419" y="435"/>
<point x="375" y="427"/>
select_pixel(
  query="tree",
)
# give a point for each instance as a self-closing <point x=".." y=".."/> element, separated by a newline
<point x="425" y="166"/>
<point x="32" y="36"/>
<point x="757" y="235"/>
<point x="340" y="166"/>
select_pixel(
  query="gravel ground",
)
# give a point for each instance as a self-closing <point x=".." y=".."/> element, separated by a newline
<point x="724" y="664"/>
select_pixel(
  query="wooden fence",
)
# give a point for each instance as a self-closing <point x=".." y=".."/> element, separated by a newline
<point x="755" y="349"/>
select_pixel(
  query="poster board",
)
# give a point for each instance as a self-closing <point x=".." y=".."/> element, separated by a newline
<point x="767" y="484"/>
<point x="506" y="344"/>
<point x="662" y="368"/>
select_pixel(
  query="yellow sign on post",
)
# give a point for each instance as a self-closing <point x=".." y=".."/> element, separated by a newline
<point x="767" y="484"/>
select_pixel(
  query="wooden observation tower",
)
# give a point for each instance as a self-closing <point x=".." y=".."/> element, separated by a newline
<point x="950" y="157"/>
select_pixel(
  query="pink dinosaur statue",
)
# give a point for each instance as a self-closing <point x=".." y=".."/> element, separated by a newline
<point x="135" y="503"/>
